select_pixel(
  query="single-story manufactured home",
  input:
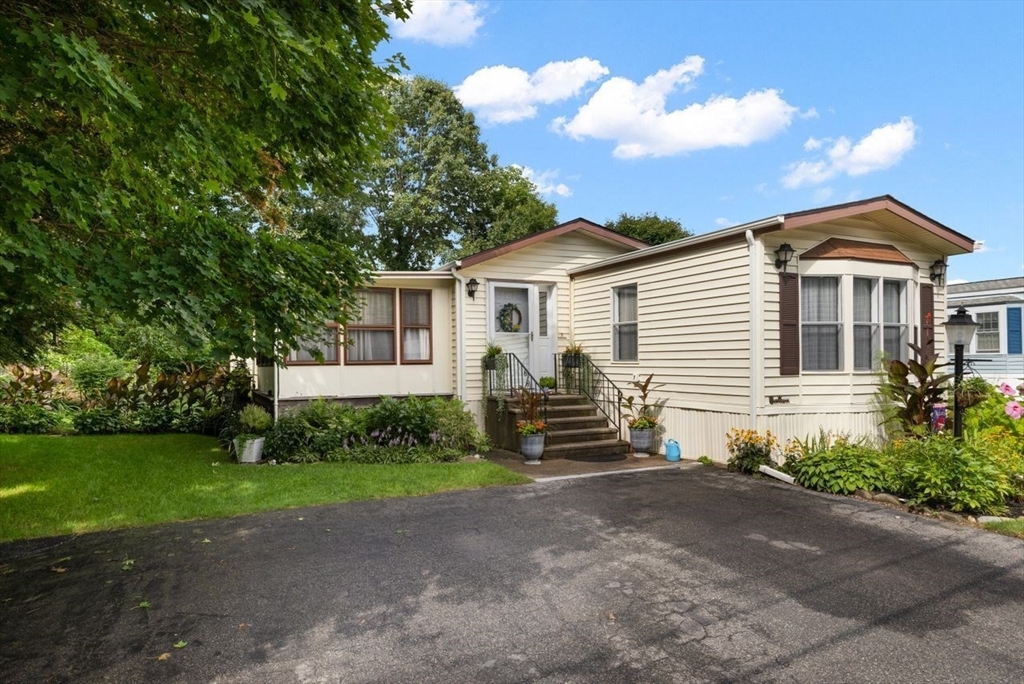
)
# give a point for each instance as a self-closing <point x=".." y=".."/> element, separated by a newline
<point x="997" y="351"/>
<point x="776" y="324"/>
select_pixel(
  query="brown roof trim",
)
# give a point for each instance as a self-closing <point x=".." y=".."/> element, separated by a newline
<point x="835" y="212"/>
<point x="838" y="248"/>
<point x="561" y="229"/>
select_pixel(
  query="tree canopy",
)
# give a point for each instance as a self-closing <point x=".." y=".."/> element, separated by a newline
<point x="145" y="146"/>
<point x="649" y="227"/>
<point x="435" y="192"/>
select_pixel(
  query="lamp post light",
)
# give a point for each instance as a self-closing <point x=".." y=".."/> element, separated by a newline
<point x="959" y="331"/>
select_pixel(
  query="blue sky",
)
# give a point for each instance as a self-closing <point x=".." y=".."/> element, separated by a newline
<point x="721" y="113"/>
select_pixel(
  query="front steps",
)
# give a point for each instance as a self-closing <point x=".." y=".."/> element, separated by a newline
<point x="576" y="428"/>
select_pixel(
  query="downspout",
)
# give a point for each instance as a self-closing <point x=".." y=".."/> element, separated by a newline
<point x="460" y="344"/>
<point x="277" y="386"/>
<point x="756" y="308"/>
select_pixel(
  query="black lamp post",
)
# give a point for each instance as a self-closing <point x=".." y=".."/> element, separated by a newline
<point x="959" y="331"/>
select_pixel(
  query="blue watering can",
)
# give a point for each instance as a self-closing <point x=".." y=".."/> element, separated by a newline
<point x="672" y="450"/>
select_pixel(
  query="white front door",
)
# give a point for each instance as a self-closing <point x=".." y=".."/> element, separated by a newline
<point x="513" y="318"/>
<point x="547" y="331"/>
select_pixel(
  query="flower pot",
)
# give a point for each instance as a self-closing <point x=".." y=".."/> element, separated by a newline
<point x="249" y="450"/>
<point x="642" y="441"/>
<point x="532" y="446"/>
<point x="571" y="360"/>
<point x="490" y="362"/>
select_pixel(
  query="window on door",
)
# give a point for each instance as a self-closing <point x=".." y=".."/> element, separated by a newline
<point x="624" y="323"/>
<point x="988" y="332"/>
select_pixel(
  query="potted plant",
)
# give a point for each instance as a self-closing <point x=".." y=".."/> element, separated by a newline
<point x="972" y="391"/>
<point x="253" y="423"/>
<point x="530" y="429"/>
<point x="642" y="417"/>
<point x="492" y="354"/>
<point x="572" y="356"/>
<point x="547" y="382"/>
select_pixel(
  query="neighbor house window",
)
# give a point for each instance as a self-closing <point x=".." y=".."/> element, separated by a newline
<point x="866" y="337"/>
<point x="624" y="319"/>
<point x="988" y="332"/>
<point x="416" y="320"/>
<point x="820" y="325"/>
<point x="895" y="336"/>
<point x="327" y="344"/>
<point x="370" y="338"/>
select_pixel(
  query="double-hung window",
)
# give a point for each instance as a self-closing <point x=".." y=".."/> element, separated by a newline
<point x="326" y="344"/>
<point x="866" y="330"/>
<point x="821" y="328"/>
<point x="896" y="329"/>
<point x="416" y="320"/>
<point x="624" y="323"/>
<point x="371" y="335"/>
<point x="988" y="332"/>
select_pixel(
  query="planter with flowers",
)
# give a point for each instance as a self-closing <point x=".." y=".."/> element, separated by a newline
<point x="253" y="422"/>
<point x="572" y="356"/>
<point x="531" y="428"/>
<point x="641" y="416"/>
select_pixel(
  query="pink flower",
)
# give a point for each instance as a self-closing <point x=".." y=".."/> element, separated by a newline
<point x="1007" y="390"/>
<point x="1014" y="410"/>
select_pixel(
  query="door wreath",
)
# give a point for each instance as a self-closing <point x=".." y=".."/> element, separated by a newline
<point x="510" y="318"/>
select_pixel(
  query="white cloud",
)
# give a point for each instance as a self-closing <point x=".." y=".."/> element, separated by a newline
<point x="811" y="113"/>
<point x="503" y="94"/>
<point x="546" y="182"/>
<point x="880" y="149"/>
<point x="722" y="222"/>
<point x="634" y="116"/>
<point x="813" y="144"/>
<point x="441" y="22"/>
<point x="822" y="194"/>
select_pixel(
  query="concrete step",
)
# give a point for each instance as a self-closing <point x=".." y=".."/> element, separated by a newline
<point x="562" y="423"/>
<point x="604" y="447"/>
<point x="558" y="399"/>
<point x="579" y="435"/>
<point x="557" y="411"/>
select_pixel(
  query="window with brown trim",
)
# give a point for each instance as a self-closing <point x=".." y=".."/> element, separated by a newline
<point x="370" y="338"/>
<point x="327" y="345"/>
<point x="417" y="335"/>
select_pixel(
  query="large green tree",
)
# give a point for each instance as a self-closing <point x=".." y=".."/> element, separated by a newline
<point x="649" y="228"/>
<point x="435" y="192"/>
<point x="144" y="147"/>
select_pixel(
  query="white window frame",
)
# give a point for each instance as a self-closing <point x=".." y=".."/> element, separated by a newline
<point x="903" y="324"/>
<point x="616" y="322"/>
<point x="997" y="332"/>
<point x="873" y="324"/>
<point x="846" y="270"/>
<point x="838" y="324"/>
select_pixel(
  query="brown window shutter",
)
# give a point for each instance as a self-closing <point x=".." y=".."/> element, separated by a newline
<point x="789" y="324"/>
<point x="928" y="320"/>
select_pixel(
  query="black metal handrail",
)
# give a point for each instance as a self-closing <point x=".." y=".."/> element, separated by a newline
<point x="578" y="375"/>
<point x="508" y="374"/>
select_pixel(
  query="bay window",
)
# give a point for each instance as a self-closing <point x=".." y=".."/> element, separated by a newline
<point x="821" y="327"/>
<point x="894" y="312"/>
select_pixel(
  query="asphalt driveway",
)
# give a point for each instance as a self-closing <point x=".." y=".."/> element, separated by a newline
<point x="668" y="576"/>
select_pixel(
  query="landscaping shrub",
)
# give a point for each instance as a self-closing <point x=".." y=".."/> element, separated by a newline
<point x="940" y="471"/>
<point x="410" y="420"/>
<point x="100" y="421"/>
<point x="27" y="419"/>
<point x="748" y="450"/>
<point x="155" y="419"/>
<point x="456" y="426"/>
<point x="841" y="468"/>
<point x="91" y="373"/>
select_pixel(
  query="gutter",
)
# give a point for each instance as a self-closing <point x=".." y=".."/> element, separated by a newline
<point x="460" y="344"/>
<point x="755" y="250"/>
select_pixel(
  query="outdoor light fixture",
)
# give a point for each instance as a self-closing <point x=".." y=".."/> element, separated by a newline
<point x="938" y="271"/>
<point x="471" y="287"/>
<point x="783" y="255"/>
<point x="959" y="331"/>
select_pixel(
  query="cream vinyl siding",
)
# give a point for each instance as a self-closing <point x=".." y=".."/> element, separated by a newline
<point x="545" y="262"/>
<point x="693" y="325"/>
<point x="845" y="390"/>
<point x="386" y="380"/>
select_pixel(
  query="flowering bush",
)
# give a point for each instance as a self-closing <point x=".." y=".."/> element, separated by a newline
<point x="748" y="450"/>
<point x="531" y="427"/>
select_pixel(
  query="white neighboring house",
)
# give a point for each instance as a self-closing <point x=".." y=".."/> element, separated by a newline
<point x="737" y="335"/>
<point x="996" y="353"/>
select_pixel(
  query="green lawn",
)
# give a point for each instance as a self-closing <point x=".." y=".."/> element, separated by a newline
<point x="52" y="485"/>
<point x="1013" y="528"/>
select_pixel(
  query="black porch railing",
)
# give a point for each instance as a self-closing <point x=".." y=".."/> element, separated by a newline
<point x="577" y="374"/>
<point x="506" y="373"/>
